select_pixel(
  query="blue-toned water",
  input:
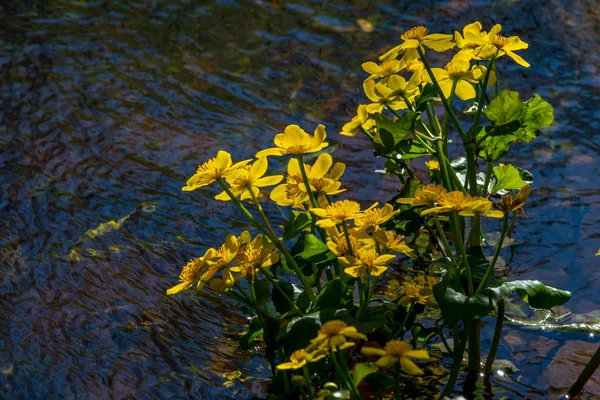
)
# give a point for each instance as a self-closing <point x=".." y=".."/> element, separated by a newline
<point x="107" y="106"/>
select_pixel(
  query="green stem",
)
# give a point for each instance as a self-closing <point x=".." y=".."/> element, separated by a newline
<point x="405" y="321"/>
<point x="489" y="362"/>
<point x="433" y="120"/>
<point x="266" y="333"/>
<point x="481" y="95"/>
<point x="444" y="239"/>
<point x="369" y="135"/>
<point x="308" y="382"/>
<point x="488" y="177"/>
<point x="311" y="195"/>
<point x="445" y="167"/>
<point x="450" y="102"/>
<point x="455" y="368"/>
<point x="243" y="209"/>
<point x="474" y="331"/>
<point x="447" y="106"/>
<point x="263" y="215"/>
<point x="446" y="345"/>
<point x="459" y="245"/>
<point x="344" y="374"/>
<point x="490" y="268"/>
<point x="586" y="374"/>
<point x="397" y="379"/>
<point x="269" y="276"/>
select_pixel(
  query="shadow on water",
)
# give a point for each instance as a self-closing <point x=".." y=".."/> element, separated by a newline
<point x="107" y="106"/>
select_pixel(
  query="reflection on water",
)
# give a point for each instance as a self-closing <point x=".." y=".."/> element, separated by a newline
<point x="107" y="106"/>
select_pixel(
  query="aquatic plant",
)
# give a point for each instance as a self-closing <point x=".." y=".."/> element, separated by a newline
<point x="300" y="279"/>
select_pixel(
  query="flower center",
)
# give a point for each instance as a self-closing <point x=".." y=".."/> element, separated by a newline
<point x="396" y="347"/>
<point x="499" y="41"/>
<point x="333" y="328"/>
<point x="418" y="33"/>
<point x="191" y="270"/>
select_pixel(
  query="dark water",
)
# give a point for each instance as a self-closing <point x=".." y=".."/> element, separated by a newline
<point x="107" y="107"/>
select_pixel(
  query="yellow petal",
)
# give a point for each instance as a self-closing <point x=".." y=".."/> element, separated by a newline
<point x="269" y="152"/>
<point x="495" y="30"/>
<point x="386" y="361"/>
<point x="223" y="160"/>
<point x="410" y="44"/>
<point x="259" y="167"/>
<point x="390" y="54"/>
<point x="223" y="196"/>
<point x="268" y="181"/>
<point x="514" y="43"/>
<point x="371" y="68"/>
<point x="518" y="59"/>
<point x="464" y="90"/>
<point x="417" y="354"/>
<point x="373" y="351"/>
<point x="321" y="166"/>
<point x="279" y="196"/>
<point x="438" y="41"/>
<point x="179" y="288"/>
<point x="410" y="367"/>
<point x="319" y="136"/>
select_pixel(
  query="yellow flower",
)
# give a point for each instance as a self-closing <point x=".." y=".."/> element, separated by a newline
<point x="293" y="191"/>
<point x="223" y="256"/>
<point x="474" y="28"/>
<point x="418" y="37"/>
<point x="425" y="195"/>
<point x="459" y="70"/>
<point x="483" y="46"/>
<point x="253" y="254"/>
<point x="432" y="165"/>
<point x="465" y="205"/>
<point x="375" y="217"/>
<point x="294" y="140"/>
<point x="415" y="293"/>
<point x="191" y="272"/>
<point x="366" y="260"/>
<point x="360" y="120"/>
<point x="334" y="335"/>
<point x="390" y="93"/>
<point x="213" y="169"/>
<point x="390" y="241"/>
<point x="509" y="203"/>
<point x="336" y="213"/>
<point x="384" y="69"/>
<point x="397" y="351"/>
<point x="223" y="284"/>
<point x="337" y="243"/>
<point x="249" y="177"/>
<point x="299" y="358"/>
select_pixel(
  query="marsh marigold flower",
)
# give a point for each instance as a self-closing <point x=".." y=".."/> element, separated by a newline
<point x="249" y="177"/>
<point x="509" y="202"/>
<point x="366" y="260"/>
<point x="432" y="165"/>
<point x="338" y="245"/>
<point x="294" y="140"/>
<point x="300" y="358"/>
<point x="415" y="293"/>
<point x="459" y="70"/>
<point x="391" y="241"/>
<point x="223" y="284"/>
<point x="322" y="181"/>
<point x="375" y="217"/>
<point x="484" y="46"/>
<point x="253" y="254"/>
<point x="425" y="195"/>
<point x="336" y="213"/>
<point x="213" y="169"/>
<point x="384" y="69"/>
<point x="464" y="204"/>
<point x="397" y="351"/>
<point x="223" y="256"/>
<point x="418" y="37"/>
<point x="390" y="93"/>
<point x="192" y="271"/>
<point x="333" y="335"/>
<point x="361" y="120"/>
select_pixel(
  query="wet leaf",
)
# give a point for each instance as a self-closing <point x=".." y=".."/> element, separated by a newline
<point x="297" y="223"/>
<point x="362" y="370"/>
<point x="508" y="177"/>
<point x="335" y="294"/>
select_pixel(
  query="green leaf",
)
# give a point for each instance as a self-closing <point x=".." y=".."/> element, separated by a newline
<point x="281" y="304"/>
<point x="410" y="149"/>
<point x="428" y="93"/>
<point x="391" y="133"/>
<point x="315" y="250"/>
<point x="335" y="294"/>
<point x="505" y="108"/>
<point x="301" y="331"/>
<point x="538" y="114"/>
<point x="297" y="223"/>
<point x="456" y="306"/>
<point x="262" y="289"/>
<point x="254" y="330"/>
<point x="362" y="370"/>
<point x="512" y="121"/>
<point x="508" y="177"/>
